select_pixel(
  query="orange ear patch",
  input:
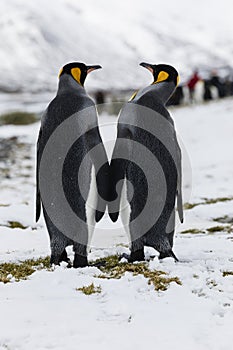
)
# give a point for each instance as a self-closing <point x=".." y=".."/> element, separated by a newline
<point x="162" y="76"/>
<point x="76" y="74"/>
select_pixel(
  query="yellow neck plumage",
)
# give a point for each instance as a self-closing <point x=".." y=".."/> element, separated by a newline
<point x="162" y="76"/>
<point x="75" y="72"/>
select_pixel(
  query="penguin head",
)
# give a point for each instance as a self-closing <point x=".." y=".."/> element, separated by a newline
<point x="78" y="71"/>
<point x="162" y="73"/>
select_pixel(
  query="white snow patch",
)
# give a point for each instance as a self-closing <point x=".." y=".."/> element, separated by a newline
<point x="47" y="312"/>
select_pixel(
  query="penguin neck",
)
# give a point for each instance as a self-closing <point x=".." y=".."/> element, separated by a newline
<point x="163" y="90"/>
<point x="66" y="83"/>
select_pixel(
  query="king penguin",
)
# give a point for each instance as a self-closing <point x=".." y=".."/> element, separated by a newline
<point x="145" y="169"/>
<point x="70" y="119"/>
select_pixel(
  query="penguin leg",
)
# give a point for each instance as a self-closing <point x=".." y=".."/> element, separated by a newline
<point x="137" y="252"/>
<point x="80" y="255"/>
<point x="58" y="252"/>
<point x="169" y="232"/>
<point x="58" y="242"/>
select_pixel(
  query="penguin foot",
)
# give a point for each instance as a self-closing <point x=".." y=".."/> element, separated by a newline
<point x="56" y="260"/>
<point x="64" y="257"/>
<point x="80" y="261"/>
<point x="137" y="255"/>
<point x="168" y="254"/>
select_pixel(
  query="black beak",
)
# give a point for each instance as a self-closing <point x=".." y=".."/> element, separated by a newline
<point x="91" y="68"/>
<point x="148" y="66"/>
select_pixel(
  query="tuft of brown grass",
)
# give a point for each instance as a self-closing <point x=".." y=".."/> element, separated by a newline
<point x="114" y="269"/>
<point x="193" y="231"/>
<point x="20" y="271"/>
<point x="91" y="289"/>
<point x="16" y="224"/>
<point x="206" y="201"/>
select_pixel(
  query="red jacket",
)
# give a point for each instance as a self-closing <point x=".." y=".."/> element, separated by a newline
<point x="192" y="82"/>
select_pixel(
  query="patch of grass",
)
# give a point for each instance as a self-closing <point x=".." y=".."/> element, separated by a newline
<point x="193" y="231"/>
<point x="219" y="228"/>
<point x="224" y="219"/>
<point x="16" y="224"/>
<point x="216" y="229"/>
<point x="217" y="200"/>
<point x="18" y="118"/>
<point x="205" y="201"/>
<point x="108" y="262"/>
<point x="113" y="269"/>
<point x="91" y="289"/>
<point x="20" y="271"/>
<point x="227" y="273"/>
<point x="188" y="206"/>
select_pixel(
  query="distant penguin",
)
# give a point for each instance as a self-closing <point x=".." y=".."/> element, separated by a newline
<point x="80" y="185"/>
<point x="146" y="167"/>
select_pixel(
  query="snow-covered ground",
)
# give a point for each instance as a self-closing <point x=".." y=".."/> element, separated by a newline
<point x="38" y="37"/>
<point x="47" y="312"/>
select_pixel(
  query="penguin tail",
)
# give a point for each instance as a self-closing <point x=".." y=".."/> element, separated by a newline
<point x="100" y="210"/>
<point x="98" y="215"/>
<point x="114" y="216"/>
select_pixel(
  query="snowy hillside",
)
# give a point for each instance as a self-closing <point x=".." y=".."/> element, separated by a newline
<point x="38" y="37"/>
<point x="48" y="311"/>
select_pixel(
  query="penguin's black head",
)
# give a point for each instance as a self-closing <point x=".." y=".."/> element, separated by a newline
<point x="78" y="71"/>
<point x="162" y="73"/>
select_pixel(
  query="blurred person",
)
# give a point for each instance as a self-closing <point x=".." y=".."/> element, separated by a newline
<point x="207" y="96"/>
<point x="192" y="83"/>
<point x="216" y="81"/>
